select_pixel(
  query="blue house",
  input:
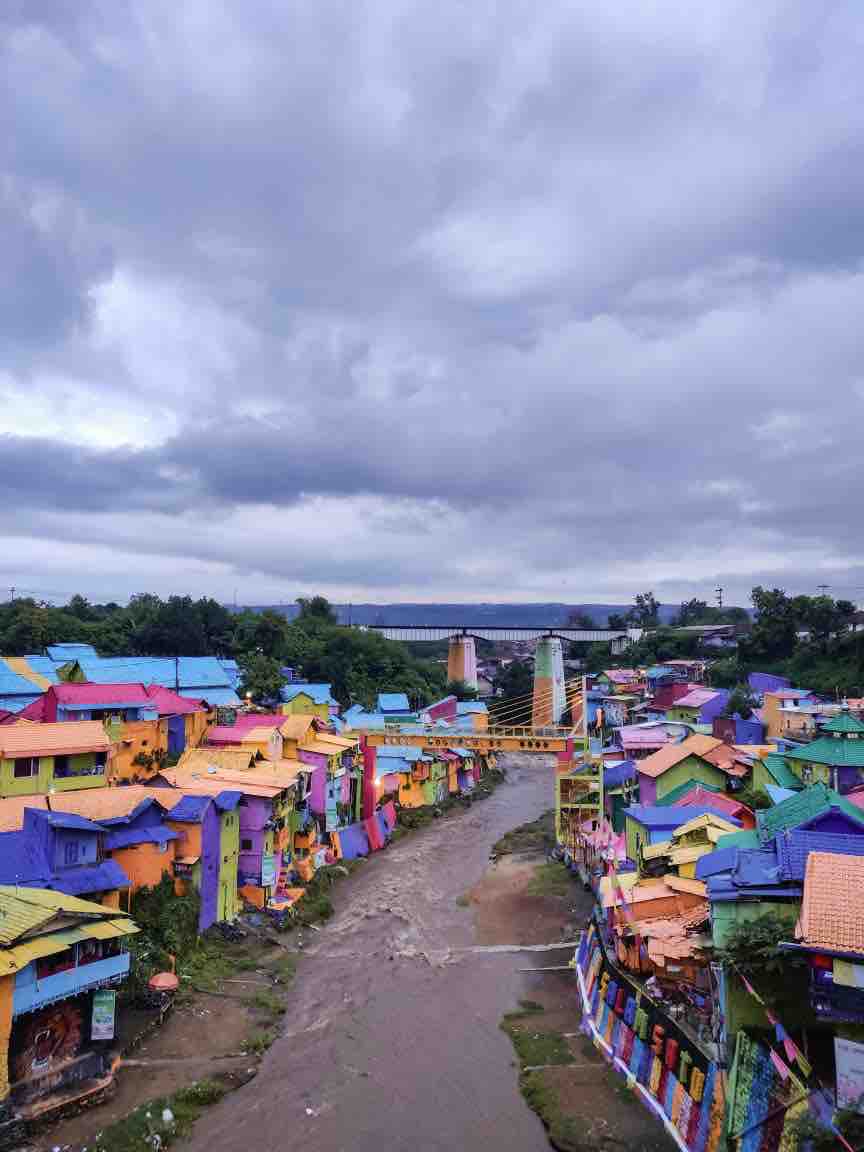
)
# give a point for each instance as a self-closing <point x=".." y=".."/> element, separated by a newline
<point x="63" y="852"/>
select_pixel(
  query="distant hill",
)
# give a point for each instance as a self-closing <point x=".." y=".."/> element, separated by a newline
<point x="490" y="615"/>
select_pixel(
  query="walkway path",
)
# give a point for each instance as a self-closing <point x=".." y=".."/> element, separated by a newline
<point x="392" y="1038"/>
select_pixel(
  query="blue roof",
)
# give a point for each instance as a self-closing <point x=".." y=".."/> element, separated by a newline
<point x="64" y="653"/>
<point x="778" y="794"/>
<point x="617" y="774"/>
<point x="95" y="878"/>
<point x="189" y="810"/>
<point x="127" y="837"/>
<point x="793" y="848"/>
<point x="317" y="693"/>
<point x="713" y="863"/>
<point x="193" y="673"/>
<point x="45" y="666"/>
<point x="66" y="820"/>
<point x="465" y="753"/>
<point x="226" y="697"/>
<point x="357" y="718"/>
<point x="467" y="707"/>
<point x="399" y="751"/>
<point x="393" y="702"/>
<point x="227" y="801"/>
<point x="667" y="816"/>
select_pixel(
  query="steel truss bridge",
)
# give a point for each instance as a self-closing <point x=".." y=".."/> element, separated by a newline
<point x="421" y="632"/>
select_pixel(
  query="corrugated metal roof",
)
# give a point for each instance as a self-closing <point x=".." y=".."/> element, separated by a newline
<point x="52" y="739"/>
<point x="393" y="702"/>
<point x="189" y="810"/>
<point x="794" y="846"/>
<point x="23" y="910"/>
<point x="803" y="808"/>
<point x="319" y="693"/>
<point x="63" y="653"/>
<point x="128" y="837"/>
<point x="201" y="759"/>
<point x="23" y="667"/>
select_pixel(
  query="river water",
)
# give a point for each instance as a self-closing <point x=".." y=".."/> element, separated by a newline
<point x="392" y="1038"/>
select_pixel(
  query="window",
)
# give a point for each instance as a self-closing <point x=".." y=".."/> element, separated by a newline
<point x="100" y="760"/>
<point x="25" y="768"/>
<point x="246" y="845"/>
<point x="70" y="852"/>
<point x="61" y="765"/>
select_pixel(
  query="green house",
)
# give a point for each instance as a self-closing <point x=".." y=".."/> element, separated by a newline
<point x="36" y="759"/>
<point x="816" y="807"/>
<point x="772" y="769"/>
<point x="835" y="759"/>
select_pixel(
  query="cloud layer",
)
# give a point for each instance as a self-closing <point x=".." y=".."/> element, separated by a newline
<point x="430" y="302"/>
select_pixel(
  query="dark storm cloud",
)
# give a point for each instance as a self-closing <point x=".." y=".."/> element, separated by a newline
<point x="539" y="275"/>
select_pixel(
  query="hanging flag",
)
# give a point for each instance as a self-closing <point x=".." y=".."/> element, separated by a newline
<point x="782" y="1070"/>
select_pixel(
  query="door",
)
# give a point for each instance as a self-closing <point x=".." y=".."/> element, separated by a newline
<point x="176" y="735"/>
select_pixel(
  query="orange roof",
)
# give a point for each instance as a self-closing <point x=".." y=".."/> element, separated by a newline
<point x="52" y="739"/>
<point x="105" y="803"/>
<point x="671" y="754"/>
<point x="93" y="803"/>
<point x="234" y="759"/>
<point x="259" y="735"/>
<point x="728" y="760"/>
<point x="272" y="776"/>
<point x="340" y="743"/>
<point x="12" y="810"/>
<point x="297" y="726"/>
<point x="685" y="884"/>
<point x="832" y="910"/>
<point x="318" y="745"/>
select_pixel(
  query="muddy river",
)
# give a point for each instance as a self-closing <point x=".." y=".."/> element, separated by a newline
<point x="392" y="1037"/>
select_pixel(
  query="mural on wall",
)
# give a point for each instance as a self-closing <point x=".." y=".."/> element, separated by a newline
<point x="42" y="1041"/>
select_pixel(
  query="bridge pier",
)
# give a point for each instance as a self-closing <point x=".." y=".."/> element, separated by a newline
<point x="550" y="696"/>
<point x="462" y="660"/>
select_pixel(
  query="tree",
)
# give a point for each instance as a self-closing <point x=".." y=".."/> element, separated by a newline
<point x="316" y="608"/>
<point x="461" y="690"/>
<point x="617" y="621"/>
<point x="514" y="689"/>
<point x="691" y="612"/>
<point x="645" y="611"/>
<point x="581" y="620"/>
<point x="740" y="702"/>
<point x="774" y="629"/>
<point x="261" y="677"/>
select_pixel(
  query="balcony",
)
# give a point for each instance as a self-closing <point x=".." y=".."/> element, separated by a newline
<point x="31" y="993"/>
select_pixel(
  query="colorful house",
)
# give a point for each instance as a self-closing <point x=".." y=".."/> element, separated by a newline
<point x="309" y="700"/>
<point x="39" y="758"/>
<point x="771" y="770"/>
<point x="335" y="789"/>
<point x="830" y="930"/>
<point x="676" y="767"/>
<point x="57" y="956"/>
<point x="646" y="824"/>
<point x="208" y="848"/>
<point x="699" y="706"/>
<point x="771" y="712"/>
<point x="718" y="803"/>
<point x="817" y="808"/>
<point x="266" y="816"/>
<point x="835" y="759"/>
<point x="296" y="730"/>
<point x="63" y="852"/>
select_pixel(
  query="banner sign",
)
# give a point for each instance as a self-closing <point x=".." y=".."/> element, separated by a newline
<point x="102" y="1020"/>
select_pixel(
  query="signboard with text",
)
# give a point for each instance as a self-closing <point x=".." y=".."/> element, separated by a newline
<point x="849" y="1062"/>
<point x="102" y="1020"/>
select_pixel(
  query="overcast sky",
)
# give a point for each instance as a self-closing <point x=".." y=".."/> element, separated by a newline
<point x="412" y="301"/>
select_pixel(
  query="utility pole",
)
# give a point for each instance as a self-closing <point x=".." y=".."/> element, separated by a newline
<point x="822" y="589"/>
<point x="719" y="592"/>
<point x="12" y="594"/>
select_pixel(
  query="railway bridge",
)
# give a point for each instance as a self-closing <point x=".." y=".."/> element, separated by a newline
<point x="550" y="689"/>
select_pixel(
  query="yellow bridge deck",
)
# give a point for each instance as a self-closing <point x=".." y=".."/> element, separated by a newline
<point x="491" y="740"/>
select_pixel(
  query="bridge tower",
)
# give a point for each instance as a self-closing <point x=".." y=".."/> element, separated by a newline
<point x="462" y="660"/>
<point x="550" y="695"/>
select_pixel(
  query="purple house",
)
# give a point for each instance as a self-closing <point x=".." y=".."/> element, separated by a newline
<point x="61" y="851"/>
<point x="761" y="682"/>
<point x="207" y="857"/>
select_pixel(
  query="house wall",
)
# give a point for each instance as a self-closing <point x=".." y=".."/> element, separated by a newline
<point x="45" y="779"/>
<point x="7" y="989"/>
<point x="229" y="849"/>
<point x="305" y="706"/>
<point x="141" y="737"/>
<point x="197" y="724"/>
<point x="690" y="770"/>
<point x="84" y="846"/>
<point x="254" y="812"/>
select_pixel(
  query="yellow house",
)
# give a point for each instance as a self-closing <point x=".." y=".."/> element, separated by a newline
<point x="56" y="954"/>
<point x="40" y="758"/>
<point x="308" y="699"/>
